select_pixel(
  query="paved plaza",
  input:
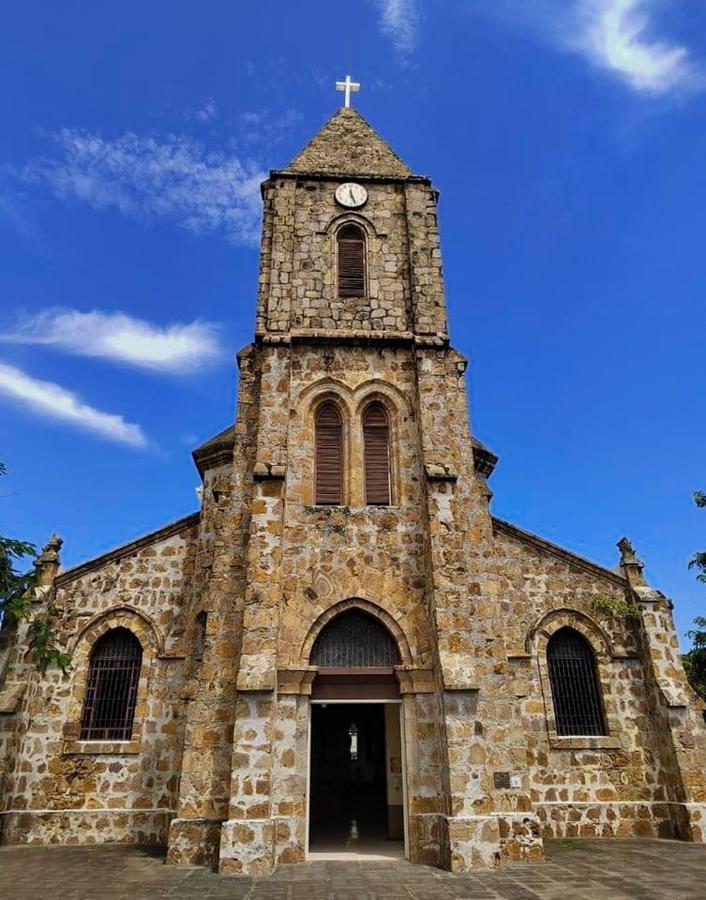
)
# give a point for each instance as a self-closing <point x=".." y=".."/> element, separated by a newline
<point x="574" y="870"/>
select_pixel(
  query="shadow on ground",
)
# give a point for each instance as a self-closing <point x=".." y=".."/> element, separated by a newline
<point x="574" y="870"/>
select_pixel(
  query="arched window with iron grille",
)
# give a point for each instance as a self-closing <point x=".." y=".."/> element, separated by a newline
<point x="376" y="452"/>
<point x="328" y="473"/>
<point x="350" y="242"/>
<point x="352" y="640"/>
<point x="111" y="690"/>
<point x="574" y="682"/>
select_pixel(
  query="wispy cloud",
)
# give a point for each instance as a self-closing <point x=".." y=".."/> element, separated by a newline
<point x="399" y="20"/>
<point x="52" y="401"/>
<point x="175" y="179"/>
<point x="261" y="130"/>
<point x="206" y="112"/>
<point x="178" y="347"/>
<point x="621" y="37"/>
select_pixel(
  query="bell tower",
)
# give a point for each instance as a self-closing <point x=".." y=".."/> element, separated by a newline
<point x="348" y="184"/>
<point x="353" y="487"/>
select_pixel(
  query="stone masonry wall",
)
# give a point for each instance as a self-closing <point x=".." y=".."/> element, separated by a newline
<point x="622" y="785"/>
<point x="60" y="789"/>
<point x="304" y="219"/>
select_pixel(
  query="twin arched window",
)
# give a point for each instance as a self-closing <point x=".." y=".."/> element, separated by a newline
<point x="350" y="242"/>
<point x="111" y="690"/>
<point x="574" y="683"/>
<point x="329" y="455"/>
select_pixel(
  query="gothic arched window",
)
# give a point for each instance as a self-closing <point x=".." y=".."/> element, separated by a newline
<point x="350" y="242"/>
<point x="574" y="682"/>
<point x="354" y="640"/>
<point x="111" y="690"/>
<point x="329" y="456"/>
<point x="376" y="453"/>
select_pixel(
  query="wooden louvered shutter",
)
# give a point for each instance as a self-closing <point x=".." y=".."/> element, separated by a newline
<point x="351" y="262"/>
<point x="329" y="456"/>
<point x="376" y="439"/>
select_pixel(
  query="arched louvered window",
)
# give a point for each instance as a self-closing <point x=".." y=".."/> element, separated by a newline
<point x="329" y="456"/>
<point x="111" y="692"/>
<point x="376" y="451"/>
<point x="574" y="682"/>
<point x="351" y="261"/>
<point x="354" y="640"/>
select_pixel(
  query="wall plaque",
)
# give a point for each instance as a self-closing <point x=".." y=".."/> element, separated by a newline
<point x="501" y="779"/>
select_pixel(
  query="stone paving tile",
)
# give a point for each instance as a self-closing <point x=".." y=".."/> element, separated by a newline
<point x="574" y="870"/>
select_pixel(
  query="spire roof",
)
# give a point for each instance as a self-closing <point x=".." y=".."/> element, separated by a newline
<point x="348" y="145"/>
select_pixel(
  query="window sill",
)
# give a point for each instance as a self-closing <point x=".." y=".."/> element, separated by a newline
<point x="349" y="507"/>
<point x="95" y="748"/>
<point x="584" y="742"/>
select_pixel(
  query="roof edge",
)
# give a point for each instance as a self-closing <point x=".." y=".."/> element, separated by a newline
<point x="122" y="550"/>
<point x="332" y="176"/>
<point x="295" y="165"/>
<point x="562" y="553"/>
<point x="216" y="451"/>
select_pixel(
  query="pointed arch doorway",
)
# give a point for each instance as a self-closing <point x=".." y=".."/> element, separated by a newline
<point x="356" y="788"/>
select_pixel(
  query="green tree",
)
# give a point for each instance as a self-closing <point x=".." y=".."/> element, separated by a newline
<point x="16" y="590"/>
<point x="695" y="660"/>
<point x="698" y="560"/>
<point x="15" y="586"/>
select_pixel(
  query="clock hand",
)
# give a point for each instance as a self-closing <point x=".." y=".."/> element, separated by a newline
<point x="350" y="194"/>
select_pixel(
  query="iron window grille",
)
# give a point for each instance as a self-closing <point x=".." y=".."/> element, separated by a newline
<point x="354" y="640"/>
<point x="574" y="682"/>
<point x="111" y="691"/>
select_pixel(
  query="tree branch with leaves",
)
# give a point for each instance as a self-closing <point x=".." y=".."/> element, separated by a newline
<point x="695" y="660"/>
<point x="698" y="560"/>
<point x="17" y="590"/>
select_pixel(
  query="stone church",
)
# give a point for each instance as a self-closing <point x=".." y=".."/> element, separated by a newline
<point x="343" y="650"/>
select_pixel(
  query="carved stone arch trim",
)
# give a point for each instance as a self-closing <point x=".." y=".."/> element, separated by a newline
<point x="135" y="620"/>
<point x="377" y="389"/>
<point x="536" y="643"/>
<point x="352" y="218"/>
<point x="313" y="394"/>
<point x="148" y="634"/>
<point x="539" y="634"/>
<point x="366" y="606"/>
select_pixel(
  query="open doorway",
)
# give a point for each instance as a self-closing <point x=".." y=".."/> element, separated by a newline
<point x="356" y="781"/>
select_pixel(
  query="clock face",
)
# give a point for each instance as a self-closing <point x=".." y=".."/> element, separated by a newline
<point x="351" y="194"/>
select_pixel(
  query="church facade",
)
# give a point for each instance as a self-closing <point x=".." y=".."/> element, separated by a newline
<point x="344" y="637"/>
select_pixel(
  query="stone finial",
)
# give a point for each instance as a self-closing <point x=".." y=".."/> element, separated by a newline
<point x="631" y="565"/>
<point x="48" y="562"/>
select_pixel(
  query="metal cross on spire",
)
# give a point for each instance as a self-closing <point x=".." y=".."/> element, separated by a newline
<point x="347" y="86"/>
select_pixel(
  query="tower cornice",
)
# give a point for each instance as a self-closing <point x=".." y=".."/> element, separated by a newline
<point x="289" y="175"/>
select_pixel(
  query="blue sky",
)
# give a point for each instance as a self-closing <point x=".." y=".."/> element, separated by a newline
<point x="568" y="140"/>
